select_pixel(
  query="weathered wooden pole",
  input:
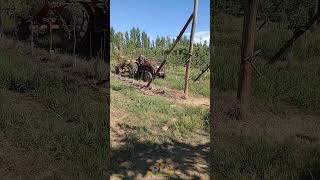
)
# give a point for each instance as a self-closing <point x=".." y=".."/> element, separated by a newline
<point x="247" y="53"/>
<point x="172" y="47"/>
<point x="193" y="29"/>
<point x="212" y="92"/>
<point x="295" y="36"/>
<point x="202" y="72"/>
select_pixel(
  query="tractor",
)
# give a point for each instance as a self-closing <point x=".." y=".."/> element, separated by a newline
<point x="85" y="22"/>
<point x="140" y="68"/>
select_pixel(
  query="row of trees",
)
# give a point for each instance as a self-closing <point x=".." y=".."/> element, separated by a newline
<point x="293" y="13"/>
<point x="134" y="42"/>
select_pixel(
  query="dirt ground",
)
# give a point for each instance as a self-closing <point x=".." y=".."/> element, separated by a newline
<point x="167" y="93"/>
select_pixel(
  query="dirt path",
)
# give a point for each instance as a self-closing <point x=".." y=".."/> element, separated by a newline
<point x="166" y="93"/>
<point x="277" y="123"/>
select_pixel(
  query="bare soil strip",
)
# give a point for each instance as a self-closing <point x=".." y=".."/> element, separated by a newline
<point x="166" y="93"/>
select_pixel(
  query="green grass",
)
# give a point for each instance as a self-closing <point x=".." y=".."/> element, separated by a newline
<point x="175" y="80"/>
<point x="148" y="114"/>
<point x="254" y="158"/>
<point x="295" y="86"/>
<point x="84" y="144"/>
<point x="235" y="156"/>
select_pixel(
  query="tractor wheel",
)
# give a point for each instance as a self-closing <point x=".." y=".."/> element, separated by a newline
<point x="147" y="76"/>
<point x="133" y="72"/>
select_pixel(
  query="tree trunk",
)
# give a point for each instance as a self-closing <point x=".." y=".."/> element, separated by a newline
<point x="247" y="52"/>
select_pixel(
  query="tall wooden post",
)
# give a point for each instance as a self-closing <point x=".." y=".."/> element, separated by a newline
<point x="193" y="29"/>
<point x="212" y="99"/>
<point x="247" y="52"/>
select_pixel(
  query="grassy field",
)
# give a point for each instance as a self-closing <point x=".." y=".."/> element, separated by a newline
<point x="281" y="140"/>
<point x="66" y="119"/>
<point x="148" y="114"/>
<point x="175" y="79"/>
<point x="147" y="128"/>
<point x="297" y="86"/>
<point x="257" y="158"/>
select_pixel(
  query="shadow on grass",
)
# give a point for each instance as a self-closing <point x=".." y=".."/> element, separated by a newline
<point x="133" y="160"/>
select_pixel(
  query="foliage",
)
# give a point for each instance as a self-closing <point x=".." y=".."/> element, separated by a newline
<point x="294" y="13"/>
<point x="255" y="158"/>
<point x="296" y="86"/>
<point x="138" y="42"/>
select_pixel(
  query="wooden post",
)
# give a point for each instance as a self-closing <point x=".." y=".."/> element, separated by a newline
<point x="247" y="53"/>
<point x="212" y="98"/>
<point x="172" y="47"/>
<point x="193" y="29"/>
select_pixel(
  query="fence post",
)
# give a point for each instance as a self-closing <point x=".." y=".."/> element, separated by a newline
<point x="247" y="53"/>
<point x="193" y="29"/>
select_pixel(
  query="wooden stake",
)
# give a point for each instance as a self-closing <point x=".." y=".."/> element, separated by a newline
<point x="247" y="50"/>
<point x="193" y="29"/>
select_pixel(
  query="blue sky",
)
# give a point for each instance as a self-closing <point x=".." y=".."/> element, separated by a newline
<point x="160" y="17"/>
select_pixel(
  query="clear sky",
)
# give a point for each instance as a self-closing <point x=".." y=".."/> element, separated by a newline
<point x="160" y="17"/>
